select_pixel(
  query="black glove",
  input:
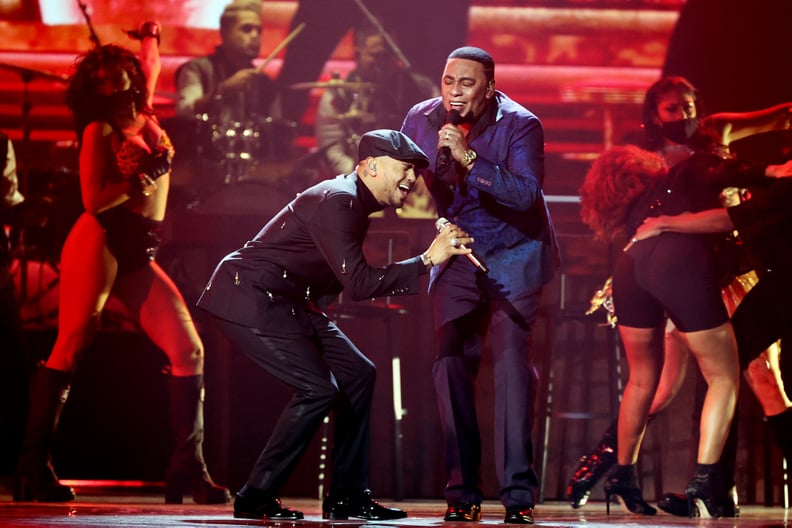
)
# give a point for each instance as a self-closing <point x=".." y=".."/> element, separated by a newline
<point x="158" y="164"/>
<point x="146" y="29"/>
<point x="145" y="181"/>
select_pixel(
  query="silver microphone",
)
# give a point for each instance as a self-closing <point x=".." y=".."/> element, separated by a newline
<point x="440" y="223"/>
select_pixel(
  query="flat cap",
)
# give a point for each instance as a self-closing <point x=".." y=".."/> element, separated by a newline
<point x="391" y="143"/>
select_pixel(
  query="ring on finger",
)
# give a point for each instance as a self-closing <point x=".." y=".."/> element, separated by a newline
<point x="454" y="242"/>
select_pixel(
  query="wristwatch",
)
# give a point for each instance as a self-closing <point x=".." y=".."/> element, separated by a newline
<point x="426" y="260"/>
<point x="469" y="157"/>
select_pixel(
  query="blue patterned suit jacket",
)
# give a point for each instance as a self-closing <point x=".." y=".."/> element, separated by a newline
<point x="500" y="202"/>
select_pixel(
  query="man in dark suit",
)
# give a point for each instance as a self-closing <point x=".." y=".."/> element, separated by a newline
<point x="268" y="297"/>
<point x="485" y="174"/>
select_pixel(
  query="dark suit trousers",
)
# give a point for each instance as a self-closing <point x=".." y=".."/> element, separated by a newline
<point x="460" y="344"/>
<point x="326" y="372"/>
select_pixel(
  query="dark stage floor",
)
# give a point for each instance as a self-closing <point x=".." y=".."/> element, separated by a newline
<point x="143" y="509"/>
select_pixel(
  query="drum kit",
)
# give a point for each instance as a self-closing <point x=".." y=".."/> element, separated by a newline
<point x="52" y="204"/>
<point x="213" y="153"/>
<point x="258" y="149"/>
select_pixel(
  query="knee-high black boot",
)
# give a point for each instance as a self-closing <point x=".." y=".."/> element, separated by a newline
<point x="187" y="470"/>
<point x="592" y="467"/>
<point x="35" y="478"/>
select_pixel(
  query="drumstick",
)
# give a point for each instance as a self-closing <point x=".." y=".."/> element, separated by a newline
<point x="281" y="45"/>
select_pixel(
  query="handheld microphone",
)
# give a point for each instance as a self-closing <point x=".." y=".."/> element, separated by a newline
<point x="440" y="223"/>
<point x="444" y="157"/>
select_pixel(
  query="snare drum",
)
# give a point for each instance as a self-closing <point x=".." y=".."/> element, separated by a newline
<point x="274" y="154"/>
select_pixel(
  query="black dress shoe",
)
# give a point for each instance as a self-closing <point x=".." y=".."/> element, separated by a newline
<point x="359" y="504"/>
<point x="463" y="512"/>
<point x="519" y="516"/>
<point x="251" y="503"/>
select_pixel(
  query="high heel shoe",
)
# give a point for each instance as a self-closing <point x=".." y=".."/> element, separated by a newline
<point x="623" y="483"/>
<point x="590" y="469"/>
<point x="705" y="494"/>
<point x="199" y="484"/>
<point x="187" y="471"/>
<point x="40" y="485"/>
<point x="35" y="478"/>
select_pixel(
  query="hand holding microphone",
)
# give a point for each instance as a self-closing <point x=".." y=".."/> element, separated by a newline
<point x="448" y="242"/>
<point x="457" y="239"/>
<point x="444" y="154"/>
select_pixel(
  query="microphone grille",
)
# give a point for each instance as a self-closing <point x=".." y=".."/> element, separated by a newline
<point x="454" y="117"/>
<point x="441" y="222"/>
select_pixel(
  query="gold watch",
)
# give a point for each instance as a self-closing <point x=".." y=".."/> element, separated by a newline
<point x="469" y="157"/>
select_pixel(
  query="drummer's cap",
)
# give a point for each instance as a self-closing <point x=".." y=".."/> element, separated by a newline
<point x="391" y="143"/>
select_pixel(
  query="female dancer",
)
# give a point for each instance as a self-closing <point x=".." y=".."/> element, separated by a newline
<point x="674" y="275"/>
<point x="124" y="178"/>
<point x="674" y="102"/>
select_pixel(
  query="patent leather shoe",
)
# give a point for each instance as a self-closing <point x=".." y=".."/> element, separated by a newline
<point x="251" y="503"/>
<point x="463" y="512"/>
<point x="519" y="516"/>
<point x="675" y="504"/>
<point x="590" y="469"/>
<point x="358" y="504"/>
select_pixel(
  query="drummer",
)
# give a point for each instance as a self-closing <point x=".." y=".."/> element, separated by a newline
<point x="376" y="94"/>
<point x="226" y="85"/>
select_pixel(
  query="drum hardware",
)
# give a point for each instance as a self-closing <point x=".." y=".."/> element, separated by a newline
<point x="334" y="83"/>
<point x="27" y="75"/>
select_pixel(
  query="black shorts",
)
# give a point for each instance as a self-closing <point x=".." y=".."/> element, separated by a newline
<point x="132" y="239"/>
<point x="671" y="274"/>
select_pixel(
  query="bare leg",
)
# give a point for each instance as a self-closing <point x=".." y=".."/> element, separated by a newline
<point x="88" y="271"/>
<point x="672" y="377"/>
<point x="154" y="300"/>
<point x="644" y="350"/>
<point x="152" y="297"/>
<point x="716" y="352"/>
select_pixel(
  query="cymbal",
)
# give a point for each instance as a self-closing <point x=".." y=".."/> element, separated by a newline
<point x="333" y="83"/>
<point x="29" y="74"/>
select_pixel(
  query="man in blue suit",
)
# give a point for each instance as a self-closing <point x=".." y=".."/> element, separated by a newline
<point x="485" y="174"/>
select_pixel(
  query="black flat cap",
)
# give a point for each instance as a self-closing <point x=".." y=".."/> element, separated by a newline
<point x="391" y="143"/>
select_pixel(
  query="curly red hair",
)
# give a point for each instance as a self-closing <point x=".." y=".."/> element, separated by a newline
<point x="616" y="178"/>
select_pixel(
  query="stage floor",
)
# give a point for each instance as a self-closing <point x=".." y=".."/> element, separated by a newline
<point x="131" y="510"/>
